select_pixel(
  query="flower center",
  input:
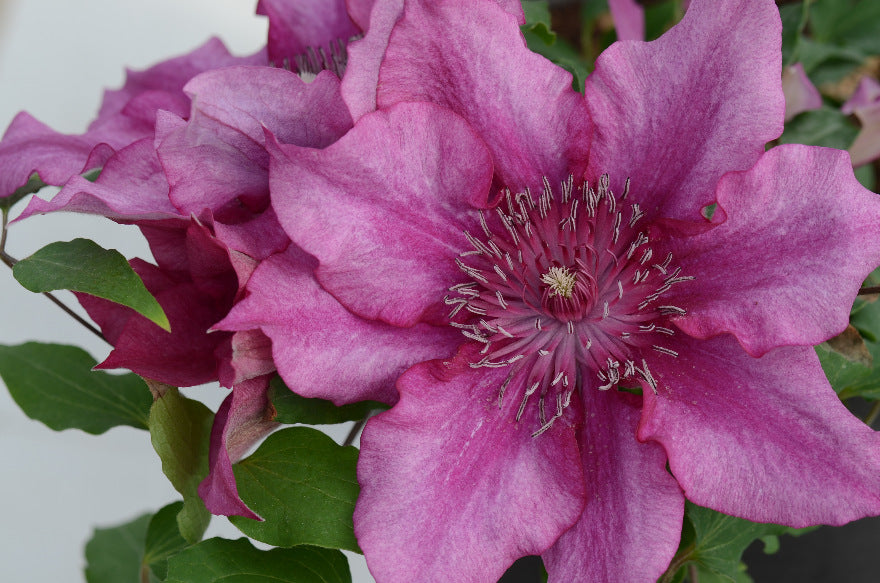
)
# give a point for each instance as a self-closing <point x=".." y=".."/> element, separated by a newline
<point x="565" y="290"/>
<point x="333" y="58"/>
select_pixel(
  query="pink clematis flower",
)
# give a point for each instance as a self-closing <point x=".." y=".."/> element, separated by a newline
<point x="192" y="174"/>
<point x="608" y="328"/>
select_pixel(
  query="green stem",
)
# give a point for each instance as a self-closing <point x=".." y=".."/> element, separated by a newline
<point x="802" y="26"/>
<point x="692" y="573"/>
<point x="678" y="563"/>
<point x="873" y="414"/>
<point x="10" y="261"/>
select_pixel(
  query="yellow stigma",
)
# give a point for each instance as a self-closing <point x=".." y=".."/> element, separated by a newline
<point x="561" y="281"/>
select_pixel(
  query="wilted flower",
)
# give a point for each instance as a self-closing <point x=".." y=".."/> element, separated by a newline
<point x="800" y="93"/>
<point x="608" y="328"/>
<point x="865" y="105"/>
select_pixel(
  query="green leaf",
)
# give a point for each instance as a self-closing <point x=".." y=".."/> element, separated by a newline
<point x="163" y="539"/>
<point x="827" y="63"/>
<point x="791" y="22"/>
<point x="180" y="430"/>
<point x="851" y="23"/>
<point x="304" y="485"/>
<point x="55" y="384"/>
<point x="114" y="554"/>
<point x="34" y="184"/>
<point x="237" y="561"/>
<point x="538" y="21"/>
<point x="84" y="266"/>
<point x="715" y="542"/>
<point x="822" y="127"/>
<point x="841" y="372"/>
<point x="291" y="408"/>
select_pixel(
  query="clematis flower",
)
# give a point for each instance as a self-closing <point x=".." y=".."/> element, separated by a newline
<point x="194" y="179"/>
<point x="607" y="327"/>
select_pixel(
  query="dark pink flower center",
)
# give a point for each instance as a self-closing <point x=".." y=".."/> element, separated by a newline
<point x="567" y="292"/>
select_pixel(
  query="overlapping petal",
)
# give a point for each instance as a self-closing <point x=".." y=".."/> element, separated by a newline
<point x="219" y="156"/>
<point x="632" y="519"/>
<point x="765" y="439"/>
<point x="295" y="26"/>
<point x="389" y="252"/>
<point x="452" y="489"/>
<point x="676" y="114"/>
<point x="519" y="103"/>
<point x="242" y="420"/>
<point x="762" y="274"/>
<point x="629" y="19"/>
<point x="320" y="348"/>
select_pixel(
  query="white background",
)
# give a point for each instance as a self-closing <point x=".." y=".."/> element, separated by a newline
<point x="56" y="57"/>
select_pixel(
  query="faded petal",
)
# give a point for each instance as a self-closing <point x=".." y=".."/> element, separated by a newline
<point x="452" y="489"/>
<point x="297" y="25"/>
<point x="519" y="103"/>
<point x="629" y="19"/>
<point x="675" y="114"/>
<point x="866" y="94"/>
<point x="320" y="348"/>
<point x="242" y="420"/>
<point x="764" y="439"/>
<point x="760" y="275"/>
<point x="866" y="147"/>
<point x="419" y="174"/>
<point x="632" y="521"/>
<point x="800" y="93"/>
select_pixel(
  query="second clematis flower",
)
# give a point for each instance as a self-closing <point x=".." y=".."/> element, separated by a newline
<point x="606" y="327"/>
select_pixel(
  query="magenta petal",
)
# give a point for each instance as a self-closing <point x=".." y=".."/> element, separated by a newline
<point x="219" y="156"/>
<point x="241" y="421"/>
<point x="765" y="439"/>
<point x="629" y="19"/>
<point x="519" y="103"/>
<point x="675" y="114"/>
<point x="452" y="489"/>
<point x="760" y="274"/>
<point x="365" y="56"/>
<point x="359" y="12"/>
<point x="866" y="147"/>
<point x="419" y="174"/>
<point x="632" y="521"/>
<point x="131" y="187"/>
<point x="247" y="356"/>
<point x="800" y="93"/>
<point x="321" y="349"/>
<point x="297" y="25"/>
<point x="30" y="146"/>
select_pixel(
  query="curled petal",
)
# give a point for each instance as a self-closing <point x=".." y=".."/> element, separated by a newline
<point x="764" y="439"/>
<point x="243" y="419"/>
<point x="760" y="274"/>
<point x="320" y="348"/>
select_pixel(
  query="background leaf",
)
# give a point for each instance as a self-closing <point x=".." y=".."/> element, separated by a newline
<point x="180" y="430"/>
<point x="304" y="485"/>
<point x="114" y="554"/>
<point x="55" y="385"/>
<point x="237" y="561"/>
<point x="291" y="408"/>
<point x="163" y="539"/>
<point x="84" y="266"/>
